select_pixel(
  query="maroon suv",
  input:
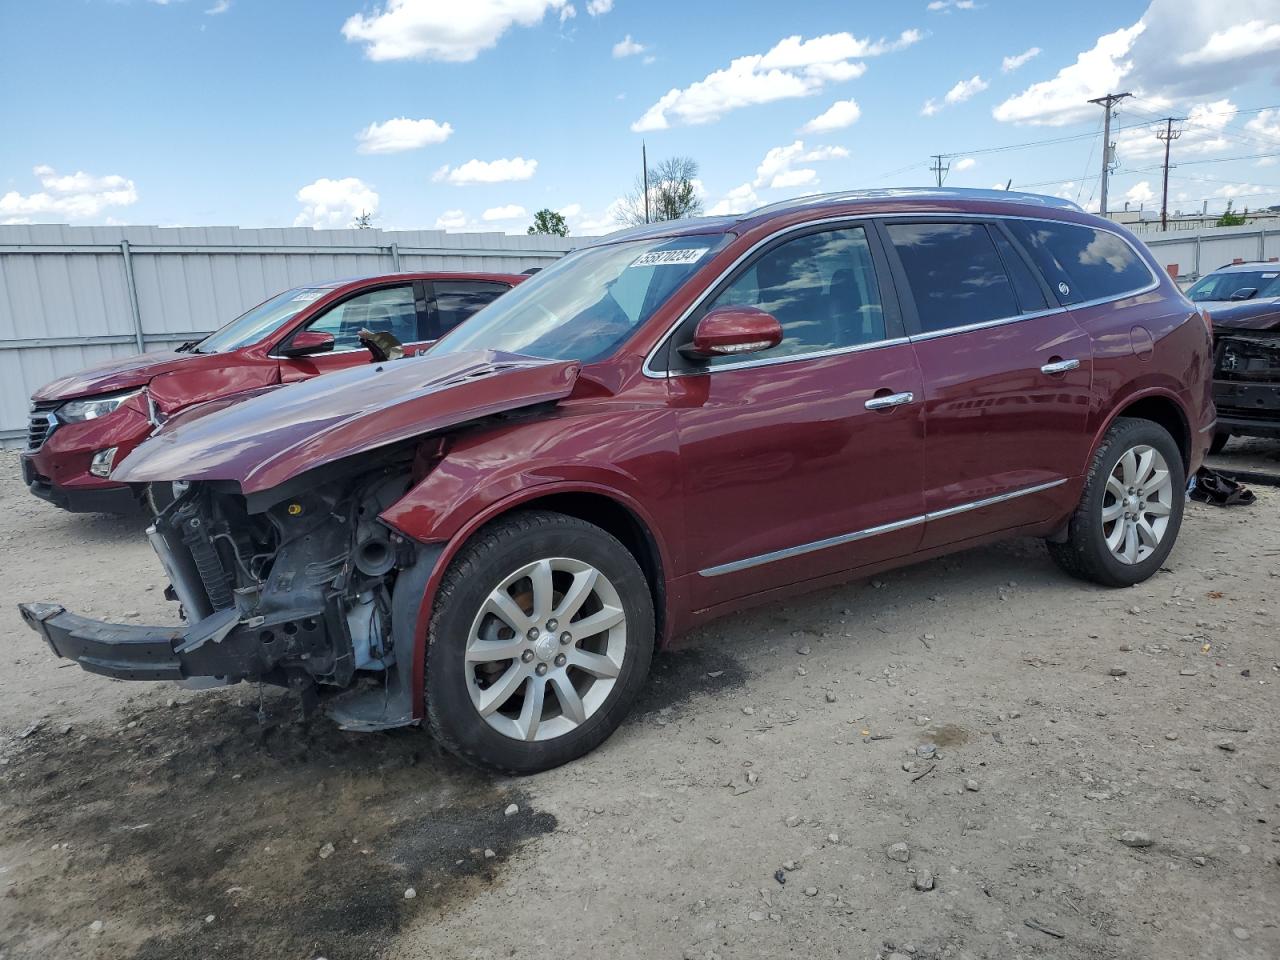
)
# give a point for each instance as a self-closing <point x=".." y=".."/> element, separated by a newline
<point x="84" y="423"/>
<point x="675" y="423"/>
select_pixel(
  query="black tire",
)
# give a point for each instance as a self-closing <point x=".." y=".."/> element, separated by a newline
<point x="1219" y="441"/>
<point x="1084" y="554"/>
<point x="491" y="556"/>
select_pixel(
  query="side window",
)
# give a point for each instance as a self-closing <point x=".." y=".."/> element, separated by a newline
<point x="954" y="272"/>
<point x="821" y="288"/>
<point x="1025" y="283"/>
<point x="456" y="300"/>
<point x="389" y="310"/>
<point x="1092" y="264"/>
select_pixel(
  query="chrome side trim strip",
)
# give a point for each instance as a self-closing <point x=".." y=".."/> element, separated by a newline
<point x="802" y="549"/>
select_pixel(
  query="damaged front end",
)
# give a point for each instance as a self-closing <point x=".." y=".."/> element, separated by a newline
<point x="301" y="594"/>
<point x="1246" y="387"/>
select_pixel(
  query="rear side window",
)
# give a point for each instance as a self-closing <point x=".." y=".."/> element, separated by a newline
<point x="955" y="274"/>
<point x="456" y="300"/>
<point x="1025" y="283"/>
<point x="1082" y="263"/>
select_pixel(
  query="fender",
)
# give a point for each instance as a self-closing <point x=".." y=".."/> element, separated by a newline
<point x="1131" y="398"/>
<point x="464" y="532"/>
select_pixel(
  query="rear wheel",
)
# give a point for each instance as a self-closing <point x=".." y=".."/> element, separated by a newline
<point x="542" y="635"/>
<point x="1131" y="510"/>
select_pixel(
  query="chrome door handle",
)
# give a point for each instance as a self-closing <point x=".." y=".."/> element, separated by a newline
<point x="892" y="400"/>
<point x="1060" y="366"/>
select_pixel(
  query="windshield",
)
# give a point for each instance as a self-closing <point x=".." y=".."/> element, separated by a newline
<point x="586" y="305"/>
<point x="264" y="319"/>
<point x="1223" y="286"/>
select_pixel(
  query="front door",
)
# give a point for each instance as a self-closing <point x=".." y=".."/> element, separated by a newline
<point x="1007" y="376"/>
<point x="806" y="459"/>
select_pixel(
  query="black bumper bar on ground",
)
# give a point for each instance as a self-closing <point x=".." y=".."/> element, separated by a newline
<point x="135" y="652"/>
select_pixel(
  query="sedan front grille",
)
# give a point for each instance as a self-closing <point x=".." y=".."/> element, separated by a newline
<point x="39" y="427"/>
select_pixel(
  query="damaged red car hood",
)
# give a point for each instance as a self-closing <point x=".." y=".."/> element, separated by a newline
<point x="1244" y="314"/>
<point x="118" y="373"/>
<point x="261" y="440"/>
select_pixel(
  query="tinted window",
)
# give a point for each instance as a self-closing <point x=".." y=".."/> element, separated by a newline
<point x="1025" y="284"/>
<point x="1223" y="286"/>
<point x="458" y="299"/>
<point x="955" y="274"/>
<point x="821" y="288"/>
<point x="1094" y="264"/>
<point x="389" y="310"/>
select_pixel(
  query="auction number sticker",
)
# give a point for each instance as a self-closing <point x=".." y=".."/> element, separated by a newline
<point x="306" y="296"/>
<point x="669" y="258"/>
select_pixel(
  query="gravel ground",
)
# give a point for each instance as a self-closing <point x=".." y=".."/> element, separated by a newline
<point x="972" y="758"/>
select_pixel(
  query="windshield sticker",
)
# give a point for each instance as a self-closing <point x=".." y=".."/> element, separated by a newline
<point x="669" y="258"/>
<point x="1270" y="276"/>
<point x="306" y="296"/>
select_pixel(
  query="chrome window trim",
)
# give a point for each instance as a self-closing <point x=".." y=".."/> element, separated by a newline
<point x="800" y="550"/>
<point x="859" y="220"/>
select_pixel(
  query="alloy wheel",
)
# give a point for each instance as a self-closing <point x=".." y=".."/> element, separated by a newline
<point x="546" y="649"/>
<point x="1136" y="504"/>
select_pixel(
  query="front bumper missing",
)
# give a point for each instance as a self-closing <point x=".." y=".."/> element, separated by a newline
<point x="210" y="648"/>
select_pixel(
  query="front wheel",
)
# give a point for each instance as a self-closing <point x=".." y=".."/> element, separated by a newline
<point x="1131" y="510"/>
<point x="541" y="638"/>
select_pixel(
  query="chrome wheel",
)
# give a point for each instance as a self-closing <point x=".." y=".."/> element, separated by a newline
<point x="1136" y="504"/>
<point x="546" y="649"/>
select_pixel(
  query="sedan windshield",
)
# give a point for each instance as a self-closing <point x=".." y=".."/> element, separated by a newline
<point x="264" y="319"/>
<point x="1224" y="286"/>
<point x="588" y="304"/>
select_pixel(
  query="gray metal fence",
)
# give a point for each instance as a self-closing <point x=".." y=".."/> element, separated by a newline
<point x="1197" y="252"/>
<point x="72" y="296"/>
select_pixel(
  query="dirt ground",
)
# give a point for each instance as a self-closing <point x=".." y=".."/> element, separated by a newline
<point x="1007" y="725"/>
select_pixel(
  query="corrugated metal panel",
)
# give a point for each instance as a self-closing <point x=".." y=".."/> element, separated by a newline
<point x="65" y="302"/>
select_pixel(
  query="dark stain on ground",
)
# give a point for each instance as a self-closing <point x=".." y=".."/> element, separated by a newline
<point x="193" y="811"/>
<point x="678" y="675"/>
<point x="948" y="735"/>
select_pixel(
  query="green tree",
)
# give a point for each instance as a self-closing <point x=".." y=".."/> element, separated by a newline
<point x="1231" y="219"/>
<point x="673" y="193"/>
<point x="550" y="223"/>
<point x="363" y="221"/>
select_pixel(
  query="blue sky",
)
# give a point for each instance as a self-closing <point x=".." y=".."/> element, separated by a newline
<point x="475" y="113"/>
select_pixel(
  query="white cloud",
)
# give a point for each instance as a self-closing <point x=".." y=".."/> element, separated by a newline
<point x="1139" y="194"/>
<point x="488" y="171"/>
<point x="451" y="220"/>
<point x="74" y="196"/>
<point x="1236" y="190"/>
<point x="930" y="108"/>
<point x="841" y="114"/>
<point x="598" y="8"/>
<point x="793" y="67"/>
<point x="965" y="89"/>
<point x="1162" y="58"/>
<point x="946" y="6"/>
<point x="1202" y="132"/>
<point x="626" y="47"/>
<point x="964" y="163"/>
<point x="435" y="30"/>
<point x="1265" y="125"/>
<point x="512" y="211"/>
<point x="333" y="204"/>
<point x="738" y="200"/>
<point x="777" y="170"/>
<point x="220" y="7"/>
<point x="400" y="134"/>
<point x="1010" y="64"/>
<point x="568" y="12"/>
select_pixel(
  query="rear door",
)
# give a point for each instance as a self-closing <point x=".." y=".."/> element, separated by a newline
<point x="398" y="309"/>
<point x="1007" y="376"/>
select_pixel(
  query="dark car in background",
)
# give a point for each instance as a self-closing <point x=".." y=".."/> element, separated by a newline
<point x="1243" y="300"/>
<point x="674" y="423"/>
<point x="84" y="423"/>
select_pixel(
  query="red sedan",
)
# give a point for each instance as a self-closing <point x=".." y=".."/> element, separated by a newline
<point x="675" y="423"/>
<point x="83" y="424"/>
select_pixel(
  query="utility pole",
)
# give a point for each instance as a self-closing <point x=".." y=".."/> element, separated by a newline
<point x="1108" y="148"/>
<point x="1168" y="135"/>
<point x="938" y="169"/>
<point x="644" y="162"/>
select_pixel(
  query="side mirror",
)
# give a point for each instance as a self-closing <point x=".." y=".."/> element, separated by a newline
<point x="1245" y="293"/>
<point x="732" y="329"/>
<point x="305" y="343"/>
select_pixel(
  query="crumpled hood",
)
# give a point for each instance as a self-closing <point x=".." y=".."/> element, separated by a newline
<point x="118" y="373"/>
<point x="1244" y="314"/>
<point x="262" y="439"/>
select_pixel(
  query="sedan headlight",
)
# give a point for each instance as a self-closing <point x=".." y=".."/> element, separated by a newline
<point x="91" y="408"/>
